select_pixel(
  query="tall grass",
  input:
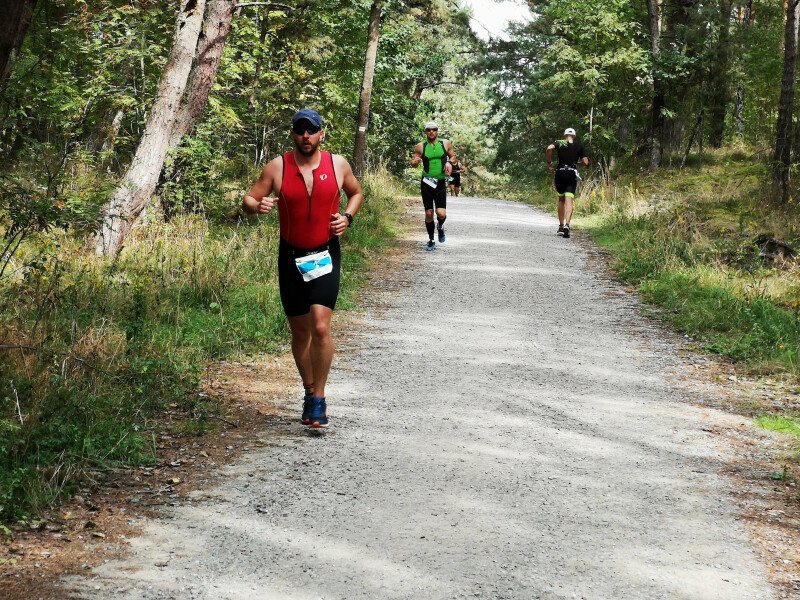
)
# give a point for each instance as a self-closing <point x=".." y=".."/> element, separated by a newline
<point x="91" y="351"/>
<point x="374" y="228"/>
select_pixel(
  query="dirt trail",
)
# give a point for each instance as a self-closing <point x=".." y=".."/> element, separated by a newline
<point x="508" y="426"/>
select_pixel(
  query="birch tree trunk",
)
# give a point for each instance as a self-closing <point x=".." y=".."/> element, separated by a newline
<point x="656" y="115"/>
<point x="783" y="134"/>
<point x="142" y="176"/>
<point x="360" y="145"/>
<point x="216" y="28"/>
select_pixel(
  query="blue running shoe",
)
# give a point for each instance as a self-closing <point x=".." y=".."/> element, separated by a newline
<point x="318" y="415"/>
<point x="431" y="246"/>
<point x="306" y="418"/>
<point x="442" y="236"/>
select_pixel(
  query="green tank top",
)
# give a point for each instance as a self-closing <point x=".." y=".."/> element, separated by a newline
<point x="434" y="157"/>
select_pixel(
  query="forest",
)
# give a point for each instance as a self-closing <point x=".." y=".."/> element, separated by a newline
<point x="129" y="130"/>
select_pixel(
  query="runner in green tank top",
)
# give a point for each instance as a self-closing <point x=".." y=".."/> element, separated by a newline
<point x="434" y="154"/>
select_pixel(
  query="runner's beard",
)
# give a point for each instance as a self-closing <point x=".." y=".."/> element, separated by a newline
<point x="300" y="145"/>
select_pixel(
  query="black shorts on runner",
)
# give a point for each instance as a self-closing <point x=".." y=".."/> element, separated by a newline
<point x="455" y="180"/>
<point x="437" y="195"/>
<point x="566" y="182"/>
<point x="297" y="295"/>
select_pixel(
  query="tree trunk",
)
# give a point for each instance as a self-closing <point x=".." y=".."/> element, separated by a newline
<point x="783" y="133"/>
<point x="695" y="129"/>
<point x="718" y="104"/>
<point x="113" y="131"/>
<point x="656" y="114"/>
<point x="16" y="16"/>
<point x="746" y="20"/>
<point x="262" y="37"/>
<point x="738" y="110"/>
<point x="216" y="28"/>
<point x="142" y="176"/>
<point x="360" y="145"/>
<point x="679" y="17"/>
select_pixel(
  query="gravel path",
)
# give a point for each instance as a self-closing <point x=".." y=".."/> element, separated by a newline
<point x="507" y="427"/>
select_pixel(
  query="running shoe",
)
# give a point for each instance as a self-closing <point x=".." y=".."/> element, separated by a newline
<point x="566" y="231"/>
<point x="318" y="414"/>
<point x="560" y="230"/>
<point x="431" y="246"/>
<point x="306" y="418"/>
<point x="442" y="236"/>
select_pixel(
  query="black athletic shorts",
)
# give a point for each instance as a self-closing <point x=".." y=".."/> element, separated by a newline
<point x="566" y="182"/>
<point x="455" y="180"/>
<point x="437" y="195"/>
<point x="297" y="295"/>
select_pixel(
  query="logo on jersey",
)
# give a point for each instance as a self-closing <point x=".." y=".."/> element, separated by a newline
<point x="323" y="177"/>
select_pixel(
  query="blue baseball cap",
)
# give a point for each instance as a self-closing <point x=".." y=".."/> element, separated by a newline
<point x="309" y="115"/>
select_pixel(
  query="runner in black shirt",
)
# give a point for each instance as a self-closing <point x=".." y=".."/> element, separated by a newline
<point x="570" y="152"/>
<point x="455" y="176"/>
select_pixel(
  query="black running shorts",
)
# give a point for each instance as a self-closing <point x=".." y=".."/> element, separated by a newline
<point x="455" y="180"/>
<point x="566" y="182"/>
<point x="297" y="295"/>
<point x="437" y="195"/>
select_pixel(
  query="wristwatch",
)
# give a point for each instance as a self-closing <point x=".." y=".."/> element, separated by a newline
<point x="349" y="219"/>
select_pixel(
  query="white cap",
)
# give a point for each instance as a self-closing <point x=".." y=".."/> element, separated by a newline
<point x="431" y="125"/>
<point x="569" y="131"/>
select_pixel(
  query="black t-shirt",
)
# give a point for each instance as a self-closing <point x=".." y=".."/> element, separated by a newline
<point x="456" y="166"/>
<point x="569" y="153"/>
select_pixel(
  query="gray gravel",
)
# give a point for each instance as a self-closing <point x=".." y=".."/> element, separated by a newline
<point x="508" y="426"/>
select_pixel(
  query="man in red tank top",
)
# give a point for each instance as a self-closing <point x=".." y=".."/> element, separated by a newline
<point x="305" y="184"/>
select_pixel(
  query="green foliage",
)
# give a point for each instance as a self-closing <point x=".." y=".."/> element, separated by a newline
<point x="578" y="61"/>
<point x="103" y="347"/>
<point x="782" y="423"/>
<point x="751" y="330"/>
<point x="588" y="64"/>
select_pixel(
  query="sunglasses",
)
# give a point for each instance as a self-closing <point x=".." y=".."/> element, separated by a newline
<point x="300" y="128"/>
<point x="432" y="129"/>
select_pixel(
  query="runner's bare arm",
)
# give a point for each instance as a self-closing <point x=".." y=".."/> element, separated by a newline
<point x="260" y="199"/>
<point x="549" y="153"/>
<point x="417" y="158"/>
<point x="448" y="167"/>
<point x="355" y="197"/>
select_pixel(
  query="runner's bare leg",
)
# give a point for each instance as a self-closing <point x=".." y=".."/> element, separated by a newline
<point x="321" y="349"/>
<point x="301" y="346"/>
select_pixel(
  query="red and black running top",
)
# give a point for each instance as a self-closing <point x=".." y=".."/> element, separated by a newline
<point x="306" y="218"/>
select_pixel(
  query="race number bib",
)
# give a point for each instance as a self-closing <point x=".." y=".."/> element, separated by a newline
<point x="314" y="265"/>
<point x="431" y="181"/>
